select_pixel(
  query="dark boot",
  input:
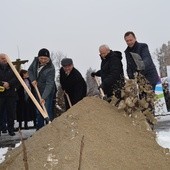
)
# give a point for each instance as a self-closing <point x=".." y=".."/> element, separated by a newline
<point x="34" y="124"/>
<point x="20" y="125"/>
<point x="4" y="131"/>
<point x="11" y="133"/>
<point x="25" y="125"/>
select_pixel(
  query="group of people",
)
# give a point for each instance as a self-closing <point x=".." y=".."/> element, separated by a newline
<point x="42" y="76"/>
<point x="111" y="72"/>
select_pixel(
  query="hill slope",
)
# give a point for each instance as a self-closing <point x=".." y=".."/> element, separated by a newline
<point x="111" y="141"/>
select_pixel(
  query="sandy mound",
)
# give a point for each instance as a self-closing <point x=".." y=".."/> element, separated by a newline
<point x="111" y="141"/>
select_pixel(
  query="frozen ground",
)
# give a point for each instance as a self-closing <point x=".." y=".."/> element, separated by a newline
<point x="10" y="142"/>
<point x="162" y="130"/>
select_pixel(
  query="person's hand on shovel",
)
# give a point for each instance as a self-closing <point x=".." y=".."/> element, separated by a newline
<point x="100" y="87"/>
<point x="34" y="83"/>
<point x="42" y="101"/>
<point x="93" y="74"/>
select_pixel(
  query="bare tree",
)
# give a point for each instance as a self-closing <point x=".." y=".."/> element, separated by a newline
<point x="163" y="57"/>
<point x="92" y="88"/>
<point x="56" y="58"/>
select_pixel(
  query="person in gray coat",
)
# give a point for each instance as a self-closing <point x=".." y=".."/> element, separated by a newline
<point x="42" y="74"/>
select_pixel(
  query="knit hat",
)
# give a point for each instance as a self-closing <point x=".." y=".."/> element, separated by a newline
<point x="66" y="61"/>
<point x="44" y="52"/>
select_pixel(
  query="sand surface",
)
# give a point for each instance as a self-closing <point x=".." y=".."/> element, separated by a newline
<point x="92" y="135"/>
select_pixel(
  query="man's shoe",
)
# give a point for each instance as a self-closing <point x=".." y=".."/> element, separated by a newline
<point x="4" y="131"/>
<point x="26" y="127"/>
<point x="11" y="133"/>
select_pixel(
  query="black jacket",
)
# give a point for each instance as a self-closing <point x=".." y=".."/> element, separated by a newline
<point x="73" y="84"/>
<point x="7" y="75"/>
<point x="111" y="72"/>
<point x="150" y="71"/>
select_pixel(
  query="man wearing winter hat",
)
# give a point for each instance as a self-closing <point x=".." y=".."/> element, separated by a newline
<point x="72" y="83"/>
<point x="42" y="74"/>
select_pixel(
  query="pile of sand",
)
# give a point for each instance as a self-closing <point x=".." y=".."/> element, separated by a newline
<point x="111" y="141"/>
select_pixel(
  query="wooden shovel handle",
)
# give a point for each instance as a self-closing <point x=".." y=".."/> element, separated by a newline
<point x="39" y="96"/>
<point x="26" y="88"/>
<point x="100" y="89"/>
<point x="68" y="99"/>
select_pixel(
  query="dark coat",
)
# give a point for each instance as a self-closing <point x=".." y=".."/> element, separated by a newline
<point x="7" y="75"/>
<point x="45" y="78"/>
<point x="8" y="97"/>
<point x="25" y="109"/>
<point x="150" y="71"/>
<point x="74" y="85"/>
<point x="111" y="73"/>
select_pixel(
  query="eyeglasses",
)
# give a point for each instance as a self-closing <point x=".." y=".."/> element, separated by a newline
<point x="103" y="54"/>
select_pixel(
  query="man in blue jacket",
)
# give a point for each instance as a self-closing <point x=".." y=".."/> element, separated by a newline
<point x="42" y="74"/>
<point x="149" y="72"/>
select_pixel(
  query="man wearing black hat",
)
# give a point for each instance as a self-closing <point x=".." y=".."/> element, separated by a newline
<point x="72" y="83"/>
<point x="42" y="74"/>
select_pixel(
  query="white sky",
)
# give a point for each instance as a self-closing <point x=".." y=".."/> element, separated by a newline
<point x="78" y="27"/>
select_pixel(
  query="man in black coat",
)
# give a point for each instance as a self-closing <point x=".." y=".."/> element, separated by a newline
<point x="9" y="96"/>
<point x="149" y="71"/>
<point x="111" y="71"/>
<point x="72" y="83"/>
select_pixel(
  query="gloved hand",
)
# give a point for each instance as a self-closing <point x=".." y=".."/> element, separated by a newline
<point x="93" y="74"/>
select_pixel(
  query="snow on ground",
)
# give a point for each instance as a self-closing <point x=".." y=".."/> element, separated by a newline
<point x="163" y="138"/>
<point x="3" y="151"/>
<point x="5" y="139"/>
<point x="163" y="131"/>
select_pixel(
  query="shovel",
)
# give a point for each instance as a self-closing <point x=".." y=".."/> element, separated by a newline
<point x="103" y="96"/>
<point x="138" y="61"/>
<point x="26" y="88"/>
<point x="43" y="106"/>
<point x="68" y="99"/>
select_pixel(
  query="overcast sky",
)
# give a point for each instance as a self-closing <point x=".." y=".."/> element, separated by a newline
<point x="78" y="27"/>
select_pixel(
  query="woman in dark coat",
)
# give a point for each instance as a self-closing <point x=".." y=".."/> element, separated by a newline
<point x="25" y="107"/>
<point x="72" y="82"/>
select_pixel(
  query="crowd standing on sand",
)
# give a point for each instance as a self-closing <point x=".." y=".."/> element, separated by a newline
<point x="40" y="79"/>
